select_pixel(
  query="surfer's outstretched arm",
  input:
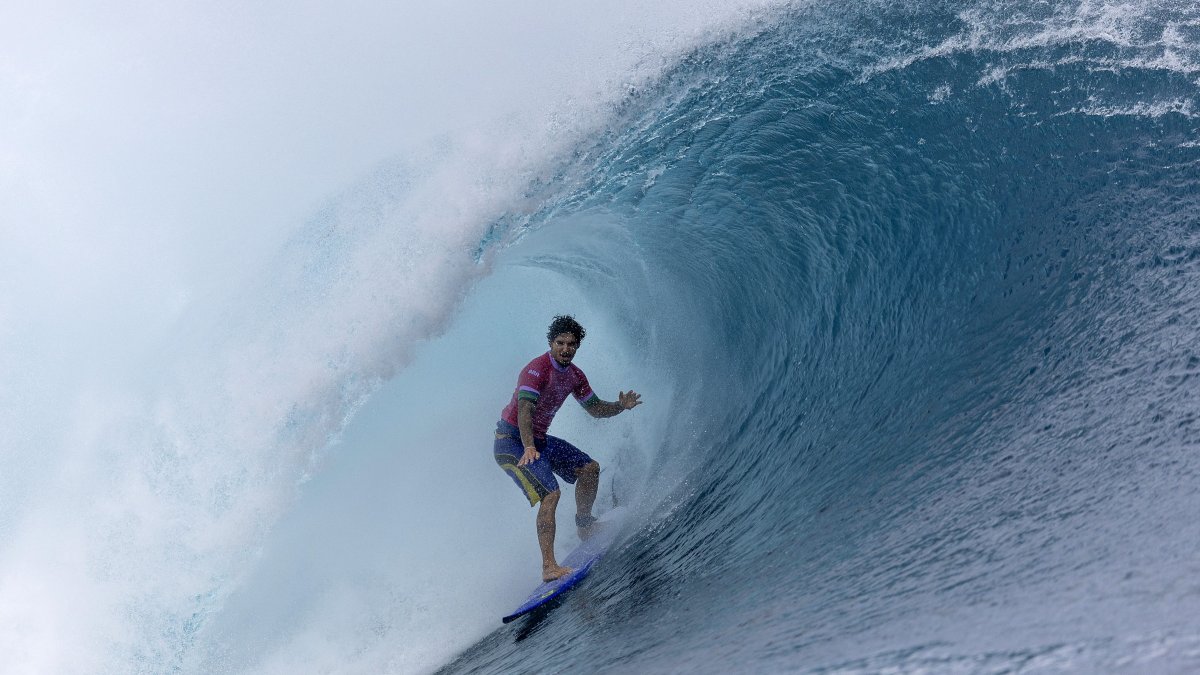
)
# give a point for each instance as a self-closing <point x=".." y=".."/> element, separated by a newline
<point x="625" y="401"/>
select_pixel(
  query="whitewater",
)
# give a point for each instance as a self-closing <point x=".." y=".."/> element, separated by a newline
<point x="911" y="292"/>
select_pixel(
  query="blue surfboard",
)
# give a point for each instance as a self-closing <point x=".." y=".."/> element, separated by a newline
<point x="580" y="561"/>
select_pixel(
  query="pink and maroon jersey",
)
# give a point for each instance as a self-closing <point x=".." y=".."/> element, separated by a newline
<point x="547" y="384"/>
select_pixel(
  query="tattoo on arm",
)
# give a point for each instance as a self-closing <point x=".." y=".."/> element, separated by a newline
<point x="601" y="409"/>
<point x="525" y="421"/>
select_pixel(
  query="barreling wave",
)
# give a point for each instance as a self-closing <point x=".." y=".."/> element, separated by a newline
<point x="925" y="282"/>
<point x="911" y="291"/>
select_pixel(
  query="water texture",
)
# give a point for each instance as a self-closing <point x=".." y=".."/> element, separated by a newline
<point x="911" y="290"/>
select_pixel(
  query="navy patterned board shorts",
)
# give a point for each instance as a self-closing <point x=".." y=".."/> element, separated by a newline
<point x="537" y="480"/>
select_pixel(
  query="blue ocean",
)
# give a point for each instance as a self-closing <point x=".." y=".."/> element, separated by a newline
<point x="911" y="292"/>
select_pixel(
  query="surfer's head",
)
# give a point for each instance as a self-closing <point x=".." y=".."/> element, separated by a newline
<point x="564" y="335"/>
<point x="565" y="323"/>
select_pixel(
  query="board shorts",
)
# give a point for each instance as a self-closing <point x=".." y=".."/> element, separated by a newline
<point x="536" y="480"/>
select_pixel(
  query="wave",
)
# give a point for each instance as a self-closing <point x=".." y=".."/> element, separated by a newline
<point x="909" y="290"/>
<point x="920" y="276"/>
<point x="181" y="359"/>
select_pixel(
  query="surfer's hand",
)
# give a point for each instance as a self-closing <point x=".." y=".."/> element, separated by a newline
<point x="531" y="455"/>
<point x="629" y="401"/>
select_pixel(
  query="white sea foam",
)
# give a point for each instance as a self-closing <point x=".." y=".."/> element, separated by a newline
<point x="1017" y="41"/>
<point x="1147" y="109"/>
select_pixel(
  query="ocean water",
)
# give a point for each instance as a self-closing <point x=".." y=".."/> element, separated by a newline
<point x="911" y="292"/>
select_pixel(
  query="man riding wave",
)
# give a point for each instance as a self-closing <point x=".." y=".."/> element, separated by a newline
<point x="532" y="457"/>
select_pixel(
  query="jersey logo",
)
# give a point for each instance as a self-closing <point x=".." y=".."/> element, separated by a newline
<point x="533" y="372"/>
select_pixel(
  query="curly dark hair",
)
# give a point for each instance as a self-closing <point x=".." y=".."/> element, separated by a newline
<point x="565" y="323"/>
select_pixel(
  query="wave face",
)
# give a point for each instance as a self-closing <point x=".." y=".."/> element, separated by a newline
<point x="912" y="291"/>
<point x="926" y="284"/>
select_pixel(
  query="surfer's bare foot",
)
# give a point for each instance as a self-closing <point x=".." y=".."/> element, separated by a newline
<point x="552" y="572"/>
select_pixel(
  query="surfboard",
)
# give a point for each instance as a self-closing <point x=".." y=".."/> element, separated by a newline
<point x="580" y="561"/>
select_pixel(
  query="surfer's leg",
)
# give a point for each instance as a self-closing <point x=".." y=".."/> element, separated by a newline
<point x="545" y="530"/>
<point x="575" y="466"/>
<point x="587" y="483"/>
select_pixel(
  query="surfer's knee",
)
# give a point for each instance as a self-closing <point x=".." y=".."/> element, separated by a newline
<point x="551" y="499"/>
<point x="592" y="468"/>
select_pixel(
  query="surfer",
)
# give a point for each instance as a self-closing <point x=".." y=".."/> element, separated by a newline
<point x="531" y="457"/>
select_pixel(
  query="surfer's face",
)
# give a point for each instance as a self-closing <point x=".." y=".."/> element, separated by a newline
<point x="563" y="347"/>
